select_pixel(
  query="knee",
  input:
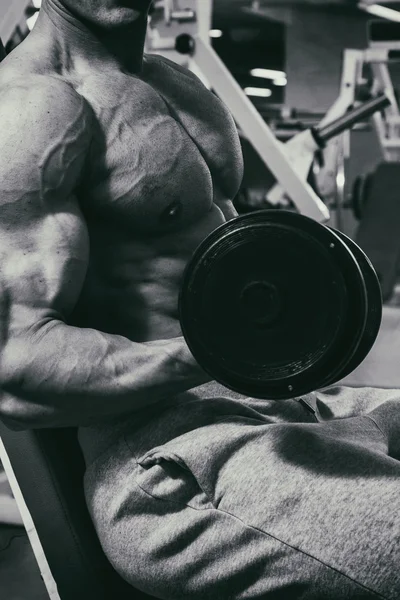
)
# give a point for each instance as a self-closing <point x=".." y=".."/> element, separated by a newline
<point x="387" y="419"/>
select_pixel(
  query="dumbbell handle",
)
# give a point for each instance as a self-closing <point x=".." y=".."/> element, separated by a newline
<point x="367" y="109"/>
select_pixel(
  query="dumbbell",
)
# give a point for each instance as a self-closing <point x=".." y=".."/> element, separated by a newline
<point x="275" y="305"/>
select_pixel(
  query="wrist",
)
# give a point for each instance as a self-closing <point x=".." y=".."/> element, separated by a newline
<point x="194" y="369"/>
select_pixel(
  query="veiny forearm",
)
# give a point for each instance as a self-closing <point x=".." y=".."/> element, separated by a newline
<point x="66" y="376"/>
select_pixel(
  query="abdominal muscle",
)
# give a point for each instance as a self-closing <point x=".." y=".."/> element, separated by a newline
<point x="132" y="286"/>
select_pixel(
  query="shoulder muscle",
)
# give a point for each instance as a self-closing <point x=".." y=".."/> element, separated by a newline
<point x="166" y="63"/>
<point x="44" y="138"/>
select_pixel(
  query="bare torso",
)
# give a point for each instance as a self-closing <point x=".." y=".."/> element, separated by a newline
<point x="164" y="166"/>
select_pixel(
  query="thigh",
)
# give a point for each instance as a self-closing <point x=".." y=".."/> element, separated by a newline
<point x="329" y="490"/>
<point x="342" y="402"/>
<point x="241" y="510"/>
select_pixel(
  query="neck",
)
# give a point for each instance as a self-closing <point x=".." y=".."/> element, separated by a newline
<point x="116" y="47"/>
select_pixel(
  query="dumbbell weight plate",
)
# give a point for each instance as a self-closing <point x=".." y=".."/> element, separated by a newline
<point x="374" y="310"/>
<point x="360" y="192"/>
<point x="273" y="304"/>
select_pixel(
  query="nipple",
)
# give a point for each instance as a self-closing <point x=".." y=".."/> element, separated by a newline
<point x="172" y="212"/>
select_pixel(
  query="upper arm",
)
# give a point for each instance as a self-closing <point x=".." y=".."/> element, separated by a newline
<point x="44" y="140"/>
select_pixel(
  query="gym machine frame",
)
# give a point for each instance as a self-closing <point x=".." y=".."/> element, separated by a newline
<point x="11" y="16"/>
<point x="386" y="123"/>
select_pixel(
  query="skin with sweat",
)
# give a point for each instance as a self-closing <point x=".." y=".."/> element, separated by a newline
<point x="115" y="165"/>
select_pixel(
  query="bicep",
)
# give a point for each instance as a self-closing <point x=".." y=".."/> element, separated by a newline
<point x="43" y="265"/>
<point x="43" y="237"/>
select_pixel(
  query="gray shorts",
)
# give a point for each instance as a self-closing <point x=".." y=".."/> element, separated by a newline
<point x="220" y="497"/>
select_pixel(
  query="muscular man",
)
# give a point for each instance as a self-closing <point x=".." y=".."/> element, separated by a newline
<point x="113" y="167"/>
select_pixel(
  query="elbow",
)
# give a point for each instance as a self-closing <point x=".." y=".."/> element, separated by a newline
<point x="14" y="425"/>
<point x="10" y="410"/>
<point x="16" y="414"/>
<point x="20" y="413"/>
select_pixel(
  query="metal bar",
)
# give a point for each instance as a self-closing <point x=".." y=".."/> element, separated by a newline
<point x="356" y="115"/>
<point x="385" y="129"/>
<point x="383" y="12"/>
<point x="382" y="75"/>
<point x="340" y="191"/>
<point x="376" y="55"/>
<point x="183" y="15"/>
<point x="352" y="69"/>
<point x="351" y="74"/>
<point x="37" y="547"/>
<point x="204" y="12"/>
<point x="12" y="17"/>
<point x="392" y="144"/>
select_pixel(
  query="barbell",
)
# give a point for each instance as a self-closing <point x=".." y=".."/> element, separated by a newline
<point x="275" y="305"/>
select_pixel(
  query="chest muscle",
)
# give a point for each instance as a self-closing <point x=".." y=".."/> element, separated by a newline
<point x="162" y="146"/>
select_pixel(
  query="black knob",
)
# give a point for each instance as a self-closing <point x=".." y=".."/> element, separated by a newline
<point x="185" y="44"/>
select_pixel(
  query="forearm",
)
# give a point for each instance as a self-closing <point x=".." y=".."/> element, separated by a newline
<point x="67" y="376"/>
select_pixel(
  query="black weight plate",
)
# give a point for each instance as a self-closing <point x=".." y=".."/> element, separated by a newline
<point x="374" y="310"/>
<point x="357" y="197"/>
<point x="360" y="193"/>
<point x="273" y="304"/>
